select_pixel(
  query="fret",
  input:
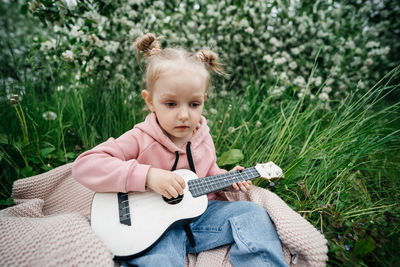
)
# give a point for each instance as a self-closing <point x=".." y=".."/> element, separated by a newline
<point x="217" y="182"/>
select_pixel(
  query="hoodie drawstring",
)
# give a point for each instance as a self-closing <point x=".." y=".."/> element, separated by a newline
<point x="188" y="231"/>
<point x="176" y="161"/>
<point x="189" y="156"/>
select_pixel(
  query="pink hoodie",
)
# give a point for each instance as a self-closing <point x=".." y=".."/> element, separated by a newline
<point x="121" y="165"/>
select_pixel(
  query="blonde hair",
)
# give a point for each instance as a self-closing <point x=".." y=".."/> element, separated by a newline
<point x="159" y="60"/>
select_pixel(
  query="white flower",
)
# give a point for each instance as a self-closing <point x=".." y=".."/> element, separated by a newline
<point x="202" y="27"/>
<point x="299" y="81"/>
<point x="323" y="96"/>
<point x="76" y="31"/>
<point x="266" y="35"/>
<point x="280" y="60"/>
<point x="350" y="44"/>
<point x="237" y="38"/>
<point x="283" y="76"/>
<point x="267" y="58"/>
<point x="275" y="42"/>
<point x="372" y="44"/>
<point x="50" y="44"/>
<point x="49" y="116"/>
<point x="329" y="81"/>
<point x="167" y="19"/>
<point x="68" y="55"/>
<point x="249" y="30"/>
<point x="112" y="46"/>
<point x="108" y="59"/>
<point x="244" y="107"/>
<point x="276" y="91"/>
<point x="244" y="23"/>
<point x="191" y="25"/>
<point x="94" y="39"/>
<point x="293" y="65"/>
<point x="223" y="93"/>
<point x="295" y="51"/>
<point x="318" y="81"/>
<point x="231" y="129"/>
<point x="213" y="111"/>
<point x="70" y="4"/>
<point x="258" y="124"/>
<point x="327" y="89"/>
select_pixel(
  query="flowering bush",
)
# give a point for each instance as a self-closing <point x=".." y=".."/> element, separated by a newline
<point x="275" y="43"/>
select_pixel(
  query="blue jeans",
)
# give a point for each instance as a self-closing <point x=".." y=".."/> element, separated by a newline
<point x="243" y="224"/>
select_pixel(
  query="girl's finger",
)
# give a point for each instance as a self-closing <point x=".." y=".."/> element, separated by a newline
<point x="172" y="191"/>
<point x="178" y="187"/>
<point x="239" y="168"/>
<point x="180" y="181"/>
<point x="242" y="187"/>
<point x="236" y="187"/>
<point x="167" y="195"/>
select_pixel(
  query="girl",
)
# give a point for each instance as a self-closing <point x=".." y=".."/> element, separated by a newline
<point x="176" y="136"/>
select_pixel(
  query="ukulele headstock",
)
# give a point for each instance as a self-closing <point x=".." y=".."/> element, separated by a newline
<point x="269" y="170"/>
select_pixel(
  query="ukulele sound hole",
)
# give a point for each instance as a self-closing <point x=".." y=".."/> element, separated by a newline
<point x="173" y="201"/>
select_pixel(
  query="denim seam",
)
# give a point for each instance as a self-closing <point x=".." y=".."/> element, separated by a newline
<point x="207" y="229"/>
<point x="237" y="229"/>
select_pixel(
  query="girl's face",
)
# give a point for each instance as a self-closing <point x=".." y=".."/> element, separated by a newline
<point x="177" y="98"/>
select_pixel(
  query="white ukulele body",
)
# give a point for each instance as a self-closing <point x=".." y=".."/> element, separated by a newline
<point x="151" y="216"/>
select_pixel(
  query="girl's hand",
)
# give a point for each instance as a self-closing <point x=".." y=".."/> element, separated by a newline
<point x="165" y="182"/>
<point x="240" y="186"/>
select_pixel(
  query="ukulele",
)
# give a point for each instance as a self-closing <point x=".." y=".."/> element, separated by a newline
<point x="130" y="224"/>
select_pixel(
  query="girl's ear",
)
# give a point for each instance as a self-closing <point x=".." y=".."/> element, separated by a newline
<point x="147" y="98"/>
<point x="205" y="96"/>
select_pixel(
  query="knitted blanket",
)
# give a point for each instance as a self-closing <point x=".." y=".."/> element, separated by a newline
<point x="49" y="226"/>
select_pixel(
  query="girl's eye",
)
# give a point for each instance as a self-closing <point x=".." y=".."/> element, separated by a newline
<point x="194" y="104"/>
<point x="170" y="104"/>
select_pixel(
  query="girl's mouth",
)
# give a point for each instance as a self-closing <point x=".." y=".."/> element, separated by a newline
<point x="182" y="127"/>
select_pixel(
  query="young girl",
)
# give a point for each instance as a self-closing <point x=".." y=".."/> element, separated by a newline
<point x="176" y="136"/>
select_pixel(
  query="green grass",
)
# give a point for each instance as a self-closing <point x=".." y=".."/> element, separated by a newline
<point x="341" y="165"/>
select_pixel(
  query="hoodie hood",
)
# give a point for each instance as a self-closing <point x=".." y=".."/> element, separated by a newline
<point x="151" y="127"/>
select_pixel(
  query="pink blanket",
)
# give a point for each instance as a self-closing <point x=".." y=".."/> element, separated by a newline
<point x="49" y="226"/>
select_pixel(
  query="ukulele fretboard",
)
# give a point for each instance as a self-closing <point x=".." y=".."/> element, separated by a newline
<point x="202" y="186"/>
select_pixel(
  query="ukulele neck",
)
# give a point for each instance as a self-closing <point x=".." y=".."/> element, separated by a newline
<point x="199" y="187"/>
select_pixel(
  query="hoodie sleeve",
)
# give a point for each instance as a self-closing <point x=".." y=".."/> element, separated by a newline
<point x="112" y="166"/>
<point x="214" y="169"/>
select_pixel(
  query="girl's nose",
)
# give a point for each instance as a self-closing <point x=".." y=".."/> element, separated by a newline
<point x="183" y="113"/>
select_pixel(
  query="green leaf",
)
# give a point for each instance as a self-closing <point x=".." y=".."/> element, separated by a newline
<point x="46" y="151"/>
<point x="299" y="169"/>
<point x="27" y="171"/>
<point x="70" y="155"/>
<point x="364" y="246"/>
<point x="6" y="202"/>
<point x="3" y="139"/>
<point x="24" y="9"/>
<point x="230" y="157"/>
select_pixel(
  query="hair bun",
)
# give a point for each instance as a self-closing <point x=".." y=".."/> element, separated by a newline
<point x="148" y="44"/>
<point x="210" y="59"/>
